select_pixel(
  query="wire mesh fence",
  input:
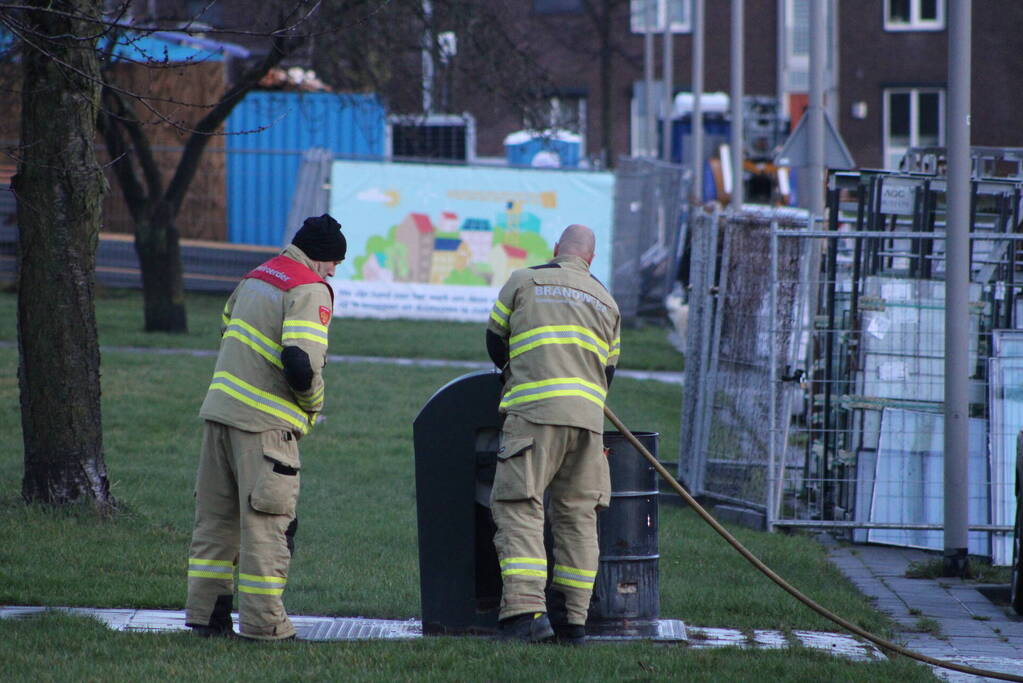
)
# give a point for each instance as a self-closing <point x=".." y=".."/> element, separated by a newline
<point x="650" y="217"/>
<point x="742" y="341"/>
<point x="815" y="364"/>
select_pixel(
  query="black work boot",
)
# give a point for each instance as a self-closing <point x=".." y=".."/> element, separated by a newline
<point x="531" y="627"/>
<point x="220" y="620"/>
<point x="564" y="632"/>
<point x="570" y="634"/>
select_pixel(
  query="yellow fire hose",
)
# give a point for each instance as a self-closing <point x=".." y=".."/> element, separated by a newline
<point x="787" y="587"/>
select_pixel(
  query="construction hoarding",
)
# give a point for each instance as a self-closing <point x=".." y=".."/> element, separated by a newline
<point x="437" y="242"/>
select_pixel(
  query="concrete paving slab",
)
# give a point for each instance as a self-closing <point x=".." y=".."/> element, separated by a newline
<point x="770" y="640"/>
<point x="1000" y="664"/>
<point x="965" y="628"/>
<point x="1011" y="629"/>
<point x="994" y="641"/>
<point x="839" y="644"/>
<point x="716" y="637"/>
<point x="982" y="611"/>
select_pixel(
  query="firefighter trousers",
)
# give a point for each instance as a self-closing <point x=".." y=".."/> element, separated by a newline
<point x="568" y="462"/>
<point x="246" y="495"/>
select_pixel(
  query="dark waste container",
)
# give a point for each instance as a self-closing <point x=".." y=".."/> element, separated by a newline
<point x="627" y="591"/>
<point x="456" y="437"/>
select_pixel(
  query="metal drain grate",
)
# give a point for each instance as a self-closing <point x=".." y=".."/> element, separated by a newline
<point x="355" y="629"/>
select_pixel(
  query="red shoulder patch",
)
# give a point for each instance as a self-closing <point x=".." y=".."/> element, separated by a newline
<point x="324" y="315"/>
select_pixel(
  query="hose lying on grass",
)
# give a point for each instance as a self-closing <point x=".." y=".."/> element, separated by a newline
<point x="786" y="586"/>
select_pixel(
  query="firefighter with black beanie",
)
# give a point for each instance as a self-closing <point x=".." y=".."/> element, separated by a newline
<point x="266" y="393"/>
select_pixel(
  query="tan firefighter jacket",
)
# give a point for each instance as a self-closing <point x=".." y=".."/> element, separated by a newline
<point x="249" y="390"/>
<point x="562" y="328"/>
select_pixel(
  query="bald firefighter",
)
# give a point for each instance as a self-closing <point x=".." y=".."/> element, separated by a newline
<point x="266" y="393"/>
<point x="554" y="332"/>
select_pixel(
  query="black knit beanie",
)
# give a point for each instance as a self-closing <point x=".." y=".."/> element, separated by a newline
<point x="321" y="239"/>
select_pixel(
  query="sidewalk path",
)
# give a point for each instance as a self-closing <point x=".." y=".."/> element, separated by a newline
<point x="945" y="618"/>
<point x="667" y="376"/>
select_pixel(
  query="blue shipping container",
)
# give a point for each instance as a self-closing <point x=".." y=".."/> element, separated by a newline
<point x="268" y="132"/>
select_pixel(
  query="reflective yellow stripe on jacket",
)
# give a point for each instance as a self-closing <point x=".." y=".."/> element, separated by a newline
<point x="558" y="334"/>
<point x="260" y="400"/>
<point x="616" y="348"/>
<point x="312" y="403"/>
<point x="304" y="329"/>
<point x="500" y="313"/>
<point x="255" y="340"/>
<point x="549" y="388"/>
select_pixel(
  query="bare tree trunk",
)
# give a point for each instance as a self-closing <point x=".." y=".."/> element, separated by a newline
<point x="59" y="188"/>
<point x="157" y="243"/>
<point x="155" y="204"/>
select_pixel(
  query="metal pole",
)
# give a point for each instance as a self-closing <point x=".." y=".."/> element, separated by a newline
<point x="427" y="56"/>
<point x="649" y="21"/>
<point x="815" y="111"/>
<point x="738" y="86"/>
<point x="775" y="470"/>
<point x="781" y="39"/>
<point x="957" y="280"/>
<point x="669" y="86"/>
<point x="696" y="153"/>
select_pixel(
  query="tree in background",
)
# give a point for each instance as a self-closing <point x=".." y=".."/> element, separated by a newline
<point x="599" y="44"/>
<point x="354" y="45"/>
<point x="474" y="48"/>
<point x="154" y="202"/>
<point x="59" y="188"/>
<point x="67" y="97"/>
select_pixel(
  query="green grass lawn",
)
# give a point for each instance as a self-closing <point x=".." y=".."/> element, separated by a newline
<point x="119" y="318"/>
<point x="357" y="546"/>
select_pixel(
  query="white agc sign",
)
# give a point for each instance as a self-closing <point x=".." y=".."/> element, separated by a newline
<point x="897" y="197"/>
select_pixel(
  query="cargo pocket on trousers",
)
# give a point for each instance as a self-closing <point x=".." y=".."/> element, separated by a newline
<point x="514" y="477"/>
<point x="276" y="488"/>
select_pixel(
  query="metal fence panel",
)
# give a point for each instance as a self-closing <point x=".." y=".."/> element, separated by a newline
<point x="815" y="364"/>
<point x="649" y="232"/>
<point x="742" y="339"/>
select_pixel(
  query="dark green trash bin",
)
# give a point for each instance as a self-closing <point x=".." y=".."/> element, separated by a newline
<point x="456" y="437"/>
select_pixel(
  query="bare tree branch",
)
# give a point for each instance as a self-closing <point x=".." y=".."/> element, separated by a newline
<point x="208" y="124"/>
<point x="140" y="144"/>
<point x="134" y="194"/>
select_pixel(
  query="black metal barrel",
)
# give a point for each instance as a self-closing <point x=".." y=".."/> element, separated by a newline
<point x="627" y="591"/>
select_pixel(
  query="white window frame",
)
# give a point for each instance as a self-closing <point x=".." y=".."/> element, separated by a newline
<point x="894" y="153"/>
<point x="637" y="14"/>
<point x="916" y="22"/>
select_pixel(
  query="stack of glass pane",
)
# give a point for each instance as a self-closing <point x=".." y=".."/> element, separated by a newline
<point x="1005" y="400"/>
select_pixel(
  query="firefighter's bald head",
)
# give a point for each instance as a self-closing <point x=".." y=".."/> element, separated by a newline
<point x="576" y="240"/>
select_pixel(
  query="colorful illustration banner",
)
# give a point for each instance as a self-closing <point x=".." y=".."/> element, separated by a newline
<point x="433" y="241"/>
